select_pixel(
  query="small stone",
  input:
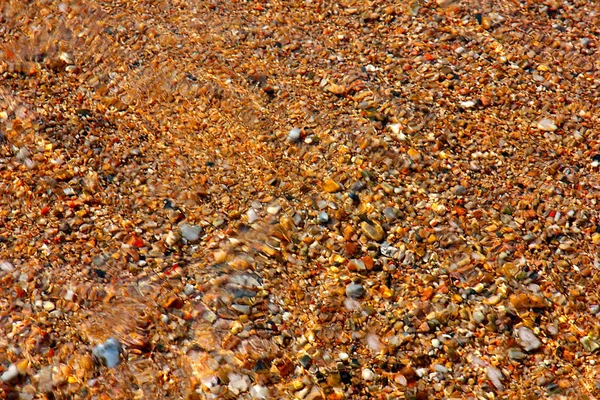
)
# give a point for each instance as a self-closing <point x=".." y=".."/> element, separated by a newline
<point x="260" y="392"/>
<point x="440" y="368"/>
<point x="368" y="374"/>
<point x="336" y="89"/>
<point x="241" y="308"/>
<point x="109" y="351"/>
<point x="516" y="354"/>
<point x="390" y="213"/>
<point x="11" y="373"/>
<point x="172" y="239"/>
<point x="191" y="233"/>
<point x="331" y="186"/>
<point x="355" y="290"/>
<point x="373" y="231"/>
<point x="48" y="305"/>
<point x="343" y="356"/>
<point x="305" y="361"/>
<point x="274" y="209"/>
<point x="388" y="250"/>
<point x="294" y="135"/>
<point x="459" y="190"/>
<point x="189" y="289"/>
<point x="323" y="217"/>
<point x="220" y="256"/>
<point x="527" y="339"/>
<point x="467" y="104"/>
<point x="478" y="317"/>
<point x="6" y="266"/>
<point x="547" y="125"/>
<point x="590" y="344"/>
<point x="238" y="383"/>
<point x="252" y="216"/>
<point x="414" y="154"/>
<point x="495" y="376"/>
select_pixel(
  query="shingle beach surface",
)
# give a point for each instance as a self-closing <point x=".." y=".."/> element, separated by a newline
<point x="299" y="199"/>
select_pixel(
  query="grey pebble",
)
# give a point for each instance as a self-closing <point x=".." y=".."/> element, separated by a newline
<point x="109" y="351"/>
<point x="323" y="217"/>
<point x="355" y="290"/>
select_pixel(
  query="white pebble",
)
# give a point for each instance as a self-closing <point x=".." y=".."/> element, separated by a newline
<point x="259" y="392"/>
<point x="252" y="216"/>
<point x="547" y="125"/>
<point x="294" y="135"/>
<point x="528" y="340"/>
<point x="238" y="383"/>
<point x="343" y="356"/>
<point x="6" y="266"/>
<point x="495" y="376"/>
<point x="368" y="374"/>
<point x="11" y="373"/>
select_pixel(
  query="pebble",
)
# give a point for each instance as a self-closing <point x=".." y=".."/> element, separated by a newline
<point x="459" y="190"/>
<point x="109" y="351"/>
<point x="260" y="392"/>
<point x="527" y="339"/>
<point x="343" y="356"/>
<point x="516" y="354"/>
<point x="189" y="289"/>
<point x="388" y="250"/>
<point x="390" y="213"/>
<point x="274" y="209"/>
<point x="323" y="217"/>
<point x="294" y="135"/>
<point x="590" y="344"/>
<point x="305" y="361"/>
<point x="6" y="266"/>
<point x="238" y="383"/>
<point x="191" y="233"/>
<point x="440" y="368"/>
<point x="368" y="374"/>
<point x="172" y="238"/>
<point x="546" y="125"/>
<point x="373" y="231"/>
<point x="252" y="216"/>
<point x="331" y="186"/>
<point x="11" y="373"/>
<point x="495" y="376"/>
<point x="355" y="290"/>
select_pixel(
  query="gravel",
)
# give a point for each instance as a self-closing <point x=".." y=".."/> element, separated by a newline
<point x="165" y="173"/>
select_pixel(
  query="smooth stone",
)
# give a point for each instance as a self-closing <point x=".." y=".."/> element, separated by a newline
<point x="241" y="308"/>
<point x="294" y="135"/>
<point x="238" y="383"/>
<point x="358" y="186"/>
<point x="323" y="217"/>
<point x="331" y="186"/>
<point x="390" y="213"/>
<point x="305" y="361"/>
<point x="478" y="317"/>
<point x="252" y="216"/>
<point x="459" y="190"/>
<point x="373" y="231"/>
<point x="109" y="351"/>
<point x="11" y="373"/>
<point x="527" y="338"/>
<point x="516" y="354"/>
<point x="547" y="125"/>
<point x="355" y="291"/>
<point x="191" y="233"/>
<point x="368" y="374"/>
